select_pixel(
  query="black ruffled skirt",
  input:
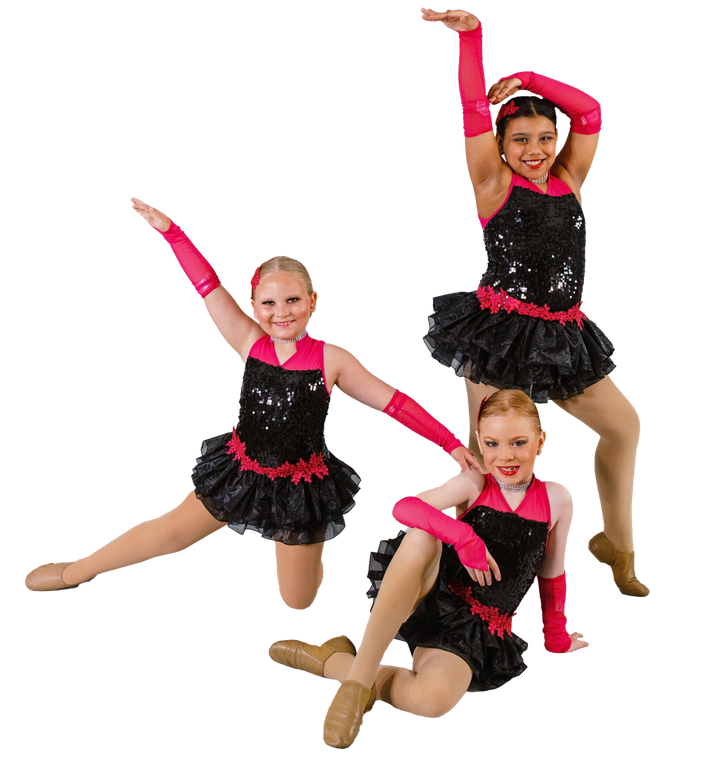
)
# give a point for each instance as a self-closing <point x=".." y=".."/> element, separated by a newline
<point x="509" y="350"/>
<point x="444" y="621"/>
<point x="302" y="513"/>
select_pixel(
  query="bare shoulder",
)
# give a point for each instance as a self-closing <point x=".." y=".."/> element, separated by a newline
<point x="461" y="489"/>
<point x="560" y="501"/>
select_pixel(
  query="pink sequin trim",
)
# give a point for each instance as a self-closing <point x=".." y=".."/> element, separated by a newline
<point x="498" y="622"/>
<point x="254" y="281"/>
<point x="300" y="471"/>
<point x="490" y="299"/>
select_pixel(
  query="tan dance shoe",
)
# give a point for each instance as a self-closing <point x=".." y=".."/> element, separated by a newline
<point x="345" y="715"/>
<point x="48" y="577"/>
<point x="621" y="563"/>
<point x="302" y="656"/>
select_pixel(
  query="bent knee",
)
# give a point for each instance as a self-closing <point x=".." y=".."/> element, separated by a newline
<point x="435" y="703"/>
<point x="623" y="427"/>
<point x="298" y="598"/>
<point x="422" y="544"/>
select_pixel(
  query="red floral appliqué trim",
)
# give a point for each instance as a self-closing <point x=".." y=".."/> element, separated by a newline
<point x="300" y="471"/>
<point x="490" y="299"/>
<point x="509" y="109"/>
<point x="498" y="622"/>
<point x="255" y="280"/>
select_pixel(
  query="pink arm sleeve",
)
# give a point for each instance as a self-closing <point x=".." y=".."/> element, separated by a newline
<point x="583" y="110"/>
<point x="473" y="91"/>
<point x="194" y="264"/>
<point x="552" y="602"/>
<point x="415" y="513"/>
<point x="405" y="410"/>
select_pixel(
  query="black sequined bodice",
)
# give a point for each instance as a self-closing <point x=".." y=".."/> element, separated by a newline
<point x="282" y="413"/>
<point x="535" y="248"/>
<point x="517" y="545"/>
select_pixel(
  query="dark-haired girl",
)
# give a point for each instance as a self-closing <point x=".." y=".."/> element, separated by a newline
<point x="523" y="327"/>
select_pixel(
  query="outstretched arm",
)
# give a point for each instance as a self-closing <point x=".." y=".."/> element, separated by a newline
<point x="238" y="329"/>
<point x="344" y="370"/>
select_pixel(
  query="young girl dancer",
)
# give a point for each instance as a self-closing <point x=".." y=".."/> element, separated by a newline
<point x="450" y="587"/>
<point x="523" y="327"/>
<point x="274" y="473"/>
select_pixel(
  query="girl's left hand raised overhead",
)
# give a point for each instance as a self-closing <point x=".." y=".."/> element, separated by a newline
<point x="577" y="642"/>
<point x="466" y="459"/>
<point x="458" y="21"/>
<point x="501" y="90"/>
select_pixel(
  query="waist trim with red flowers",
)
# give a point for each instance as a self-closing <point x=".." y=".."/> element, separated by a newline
<point x="490" y="299"/>
<point x="498" y="622"/>
<point x="302" y="470"/>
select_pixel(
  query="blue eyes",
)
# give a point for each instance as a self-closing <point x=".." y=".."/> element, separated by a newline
<point x="492" y="444"/>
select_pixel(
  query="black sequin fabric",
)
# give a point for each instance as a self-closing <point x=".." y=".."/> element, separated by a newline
<point x="282" y="413"/>
<point x="444" y="620"/>
<point x="535" y="250"/>
<point x="281" y="420"/>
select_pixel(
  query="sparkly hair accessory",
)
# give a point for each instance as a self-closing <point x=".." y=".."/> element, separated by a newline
<point x="255" y="280"/>
<point x="479" y="411"/>
<point x="508" y="109"/>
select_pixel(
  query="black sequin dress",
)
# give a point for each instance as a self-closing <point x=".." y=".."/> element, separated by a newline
<point x="469" y="620"/>
<point x="523" y="328"/>
<point x="274" y="473"/>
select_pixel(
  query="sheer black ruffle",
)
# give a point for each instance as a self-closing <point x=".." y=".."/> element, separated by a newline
<point x="444" y="621"/>
<point x="305" y="513"/>
<point x="509" y="350"/>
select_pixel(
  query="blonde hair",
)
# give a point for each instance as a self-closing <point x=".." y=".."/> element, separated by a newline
<point x="286" y="264"/>
<point x="510" y="402"/>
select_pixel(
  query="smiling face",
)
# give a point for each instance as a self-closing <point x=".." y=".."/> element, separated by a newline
<point x="282" y="306"/>
<point x="509" y="445"/>
<point x="529" y="145"/>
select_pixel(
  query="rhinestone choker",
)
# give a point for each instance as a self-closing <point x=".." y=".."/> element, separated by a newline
<point x="541" y="180"/>
<point x="303" y="334"/>
<point x="515" y="486"/>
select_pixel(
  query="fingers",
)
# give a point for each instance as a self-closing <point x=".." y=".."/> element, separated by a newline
<point x="493" y="566"/>
<point x="474" y="463"/>
<point x="472" y="573"/>
<point x="577" y="642"/>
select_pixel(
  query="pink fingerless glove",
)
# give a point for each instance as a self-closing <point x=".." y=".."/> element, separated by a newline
<point x="473" y="91"/>
<point x="552" y="602"/>
<point x="404" y="409"/>
<point x="415" y="513"/>
<point x="584" y="111"/>
<point x="194" y="264"/>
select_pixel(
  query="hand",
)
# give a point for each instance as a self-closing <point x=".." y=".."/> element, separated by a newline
<point x="152" y="215"/>
<point x="502" y="90"/>
<point x="466" y="459"/>
<point x="458" y="21"/>
<point x="485" y="576"/>
<point x="577" y="642"/>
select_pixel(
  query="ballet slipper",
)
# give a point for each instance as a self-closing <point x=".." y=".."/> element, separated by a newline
<point x="621" y="563"/>
<point x="49" y="578"/>
<point x="302" y="656"/>
<point x="345" y="715"/>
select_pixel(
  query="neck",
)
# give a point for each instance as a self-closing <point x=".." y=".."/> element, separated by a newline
<point x="299" y="337"/>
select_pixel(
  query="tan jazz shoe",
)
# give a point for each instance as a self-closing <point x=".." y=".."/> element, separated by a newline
<point x="621" y="563"/>
<point x="345" y="715"/>
<point x="302" y="656"/>
<point x="48" y="577"/>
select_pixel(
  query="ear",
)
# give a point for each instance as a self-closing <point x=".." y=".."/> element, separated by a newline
<point x="541" y="440"/>
<point x="312" y="300"/>
<point x="500" y="145"/>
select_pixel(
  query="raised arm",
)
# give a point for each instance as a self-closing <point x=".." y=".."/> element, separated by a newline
<point x="488" y="174"/>
<point x="238" y="329"/>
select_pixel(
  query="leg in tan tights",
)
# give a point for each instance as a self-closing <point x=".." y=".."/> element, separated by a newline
<point x="299" y="573"/>
<point x="172" y="532"/>
<point x="604" y="409"/>
<point x="438" y="679"/>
